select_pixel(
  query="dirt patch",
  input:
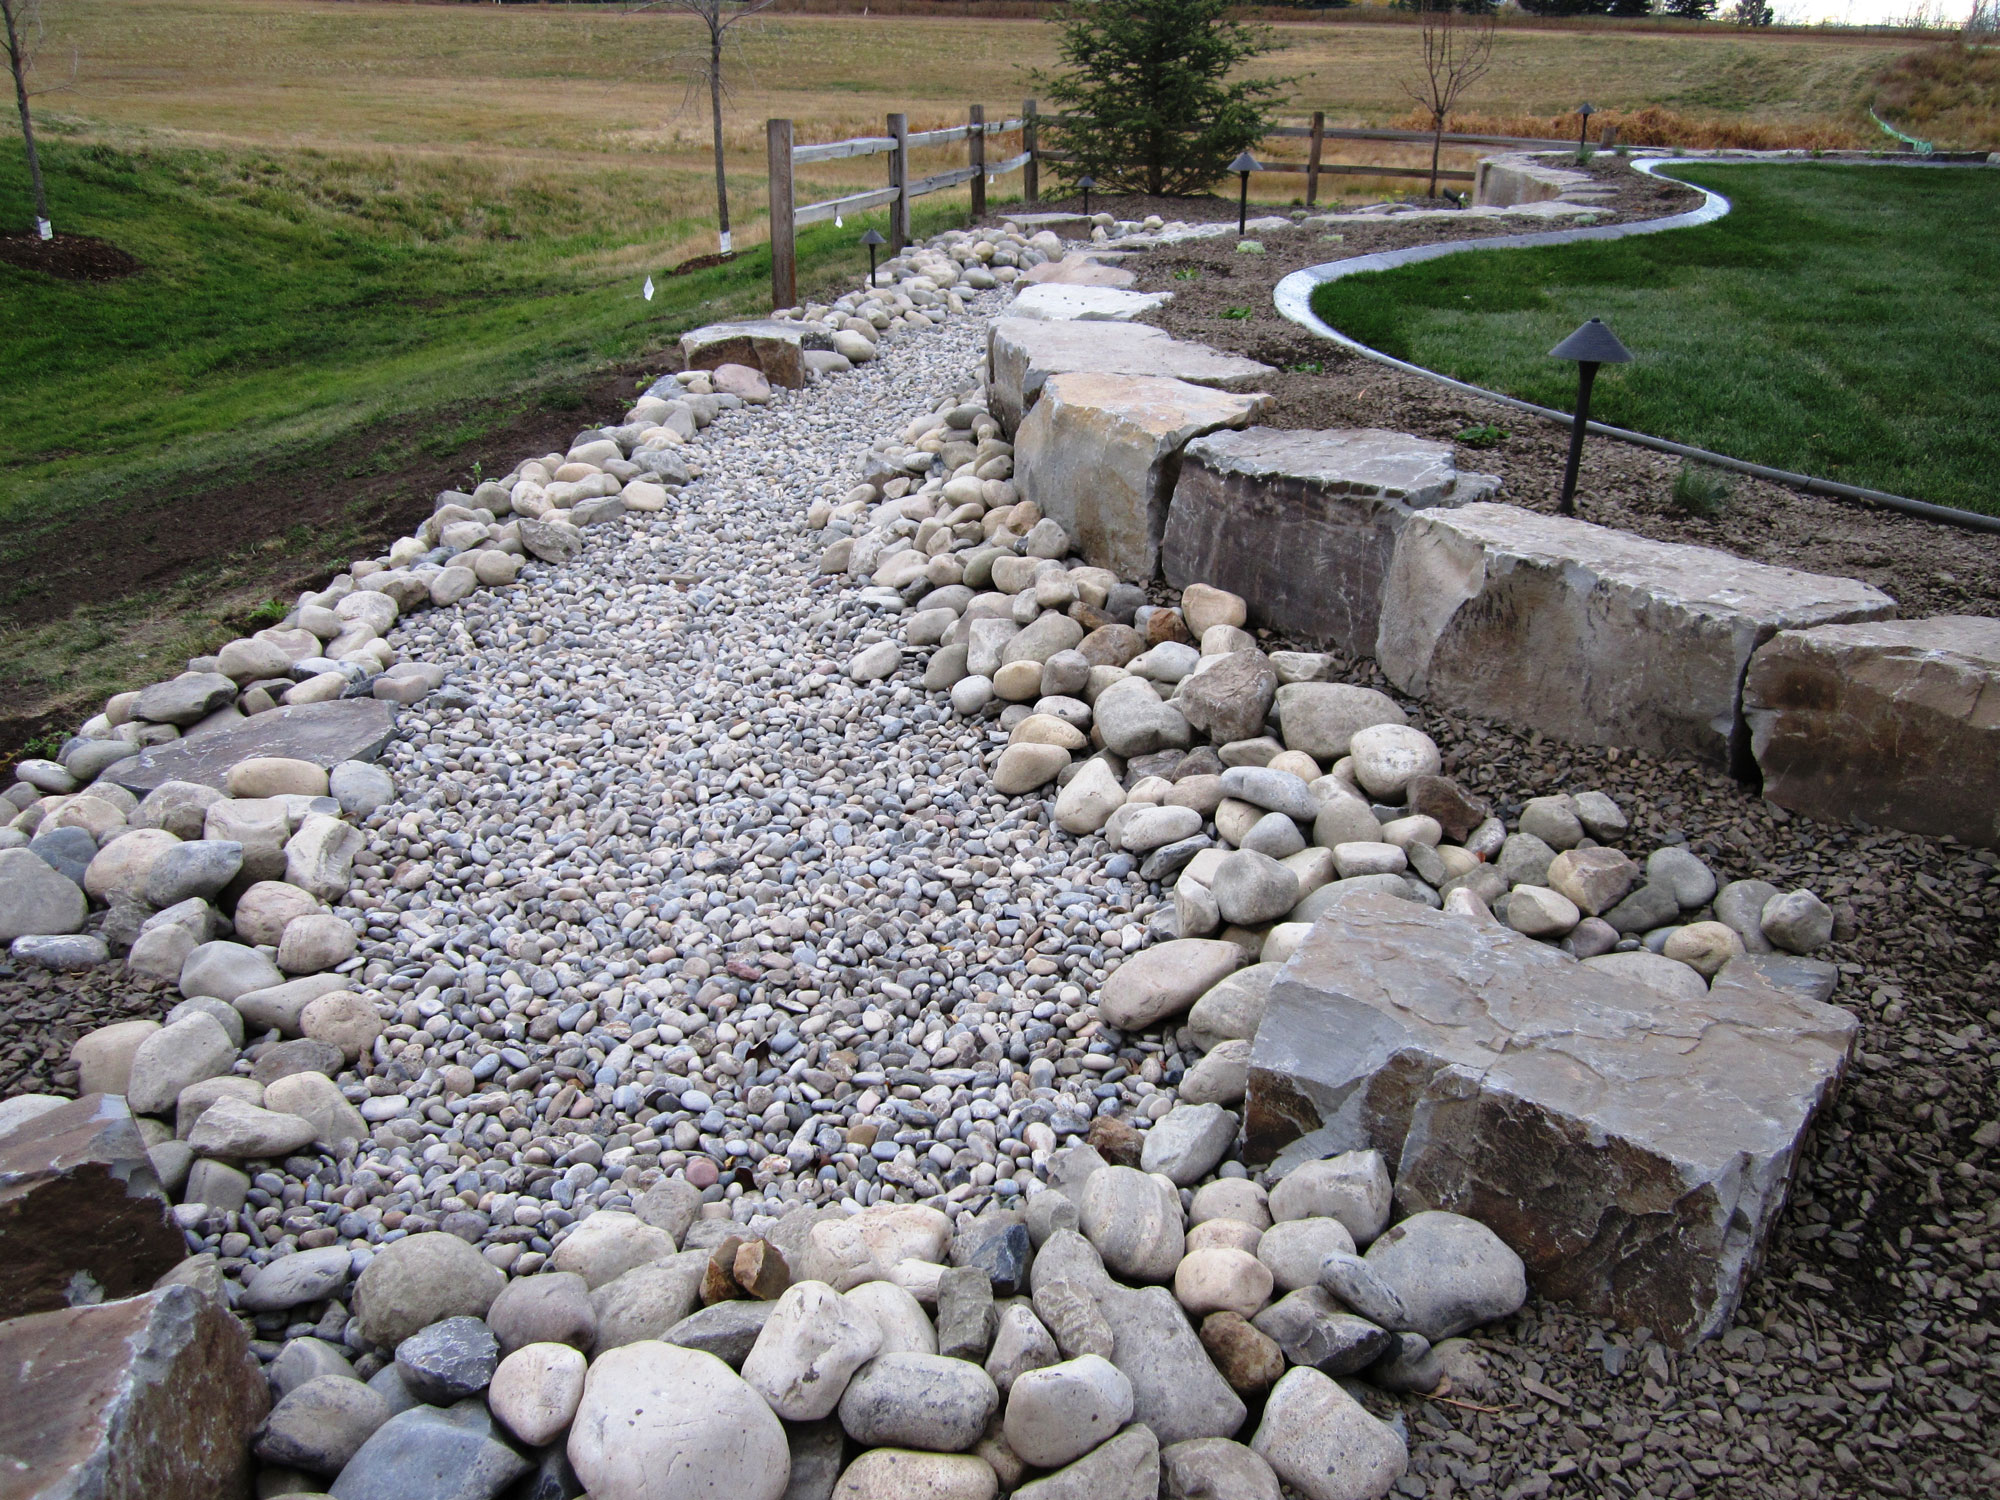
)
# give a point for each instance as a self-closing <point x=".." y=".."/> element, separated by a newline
<point x="73" y="257"/>
<point x="1223" y="298"/>
<point x="233" y="546"/>
<point x="702" y="263"/>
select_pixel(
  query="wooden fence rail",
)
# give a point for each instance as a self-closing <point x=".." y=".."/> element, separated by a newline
<point x="788" y="215"/>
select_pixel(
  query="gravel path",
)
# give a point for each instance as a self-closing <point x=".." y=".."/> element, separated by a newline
<point x="751" y="877"/>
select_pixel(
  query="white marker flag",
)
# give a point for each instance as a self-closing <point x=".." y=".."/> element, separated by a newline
<point x="648" y="289"/>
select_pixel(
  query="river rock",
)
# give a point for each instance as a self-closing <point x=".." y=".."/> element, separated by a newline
<point x="1250" y="888"/>
<point x="422" y="1280"/>
<point x="1353" y="1188"/>
<point x="1185" y="1144"/>
<point x="1176" y="1391"/>
<point x="906" y="1474"/>
<point x="1020" y="1344"/>
<point x="321" y="1424"/>
<point x="1323" y="1443"/>
<point x="292" y="1280"/>
<point x="449" y="1360"/>
<point x="1450" y="1273"/>
<point x="659" y="1422"/>
<point x="1060" y="1412"/>
<point x="811" y="1346"/>
<point x="36" y="898"/>
<point x="1134" y="1221"/>
<point x="536" y="1390"/>
<point x="607" y="1244"/>
<point x="168" y="1060"/>
<point x="1221" y="1278"/>
<point x="1125" y="1468"/>
<point x="449" y="1454"/>
<point x="1164" y="980"/>
<point x="553" y="1307"/>
<point x="918" y="1401"/>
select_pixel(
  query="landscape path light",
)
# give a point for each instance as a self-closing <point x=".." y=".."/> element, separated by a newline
<point x="1243" y="166"/>
<point x="1590" y="346"/>
<point x="1086" y="182"/>
<point x="871" y="239"/>
<point x="1583" y="113"/>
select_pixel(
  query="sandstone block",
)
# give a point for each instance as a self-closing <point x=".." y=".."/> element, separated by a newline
<point x="1302" y="524"/>
<point x="1023" y="354"/>
<point x="775" y="348"/>
<point x="1098" y="455"/>
<point x="1895" y="722"/>
<point x="1485" y="1065"/>
<point x="1593" y="635"/>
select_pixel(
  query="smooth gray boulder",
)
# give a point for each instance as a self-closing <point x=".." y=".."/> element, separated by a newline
<point x="36" y="898"/>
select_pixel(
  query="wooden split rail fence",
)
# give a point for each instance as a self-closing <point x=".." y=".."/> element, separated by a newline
<point x="785" y="155"/>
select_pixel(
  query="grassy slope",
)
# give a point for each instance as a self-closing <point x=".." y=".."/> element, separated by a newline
<point x="287" y="298"/>
<point x="1843" y="322"/>
<point x="350" y="210"/>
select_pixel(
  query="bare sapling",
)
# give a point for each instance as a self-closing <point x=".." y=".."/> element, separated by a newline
<point x="718" y="18"/>
<point x="1457" y="51"/>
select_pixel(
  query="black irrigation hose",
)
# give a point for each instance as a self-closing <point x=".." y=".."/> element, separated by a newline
<point x="1293" y="298"/>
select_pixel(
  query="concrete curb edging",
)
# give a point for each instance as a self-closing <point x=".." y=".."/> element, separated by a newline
<point x="1293" y="298"/>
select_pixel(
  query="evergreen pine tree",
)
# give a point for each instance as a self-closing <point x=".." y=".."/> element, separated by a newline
<point x="1147" y="89"/>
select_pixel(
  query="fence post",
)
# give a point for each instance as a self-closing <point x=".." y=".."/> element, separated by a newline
<point x="976" y="158"/>
<point x="1031" y="170"/>
<point x="784" y="245"/>
<point x="899" y="178"/>
<point x="1312" y="160"/>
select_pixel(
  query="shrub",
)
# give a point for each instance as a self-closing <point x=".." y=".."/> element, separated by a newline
<point x="1701" y="489"/>
<point x="1148" y="95"/>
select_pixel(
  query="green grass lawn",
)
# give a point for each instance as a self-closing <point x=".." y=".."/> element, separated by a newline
<point x="288" y="298"/>
<point x="1841" y="321"/>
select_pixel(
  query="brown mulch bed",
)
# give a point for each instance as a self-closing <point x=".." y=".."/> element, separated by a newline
<point x="73" y="257"/>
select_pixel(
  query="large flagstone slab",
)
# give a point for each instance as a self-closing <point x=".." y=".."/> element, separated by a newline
<point x="1633" y="1147"/>
<point x="1022" y="353"/>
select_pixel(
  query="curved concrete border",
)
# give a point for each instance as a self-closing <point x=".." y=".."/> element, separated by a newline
<point x="1293" y="298"/>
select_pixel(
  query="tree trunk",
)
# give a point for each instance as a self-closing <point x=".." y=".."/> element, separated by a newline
<point x="1437" y="144"/>
<point x="715" y="108"/>
<point x="17" y="62"/>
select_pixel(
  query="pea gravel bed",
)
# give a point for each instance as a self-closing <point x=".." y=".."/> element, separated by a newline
<point x="653" y="846"/>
